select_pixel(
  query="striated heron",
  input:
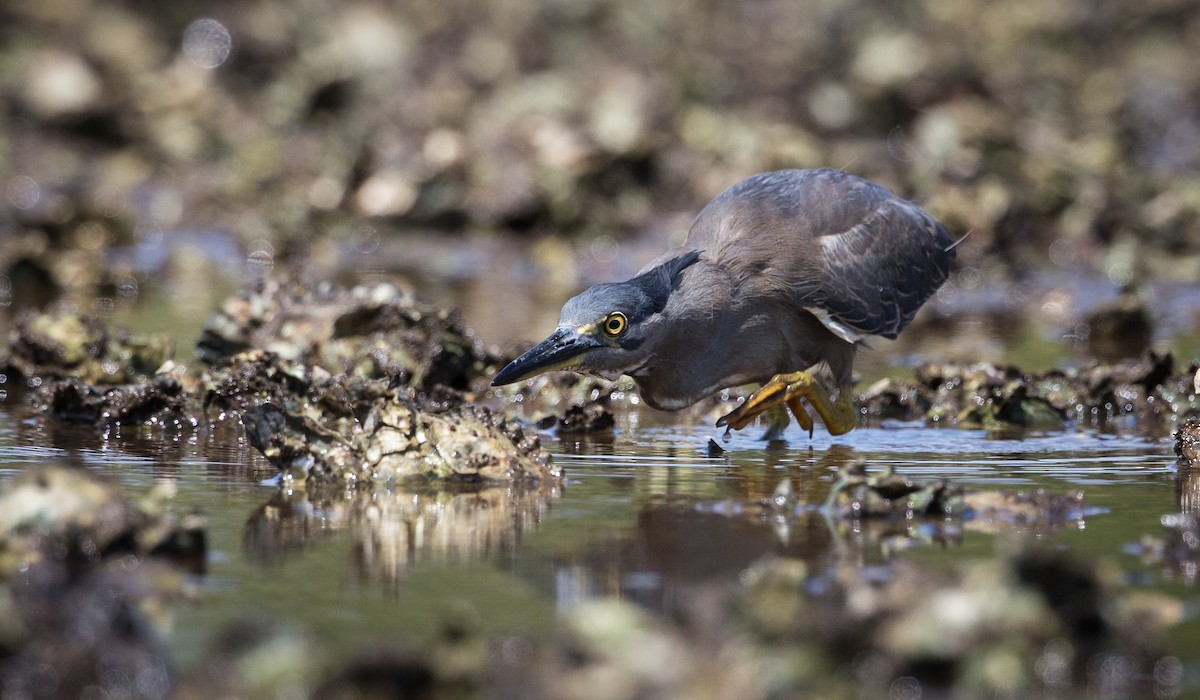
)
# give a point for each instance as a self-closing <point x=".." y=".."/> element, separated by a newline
<point x="781" y="273"/>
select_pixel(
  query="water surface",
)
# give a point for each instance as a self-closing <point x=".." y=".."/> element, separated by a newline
<point x="644" y="515"/>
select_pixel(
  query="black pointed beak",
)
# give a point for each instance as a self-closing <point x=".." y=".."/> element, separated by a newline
<point x="556" y="352"/>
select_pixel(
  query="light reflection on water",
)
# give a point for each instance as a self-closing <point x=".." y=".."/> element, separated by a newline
<point x="644" y="515"/>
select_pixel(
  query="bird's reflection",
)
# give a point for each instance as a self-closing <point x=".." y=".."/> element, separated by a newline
<point x="829" y="511"/>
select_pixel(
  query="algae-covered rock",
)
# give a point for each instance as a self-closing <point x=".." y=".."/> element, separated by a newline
<point x="87" y="576"/>
<point x="1187" y="443"/>
<point x="858" y="494"/>
<point x="253" y="377"/>
<point x="1149" y="392"/>
<point x="1012" y="406"/>
<point x="161" y="400"/>
<point x="56" y="346"/>
<point x="58" y="511"/>
<point x="1029" y="625"/>
<point x="587" y="419"/>
<point x="368" y="331"/>
<point x="894" y="399"/>
<point x="382" y="436"/>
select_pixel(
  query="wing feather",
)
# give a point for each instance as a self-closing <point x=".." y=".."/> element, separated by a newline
<point x="853" y="253"/>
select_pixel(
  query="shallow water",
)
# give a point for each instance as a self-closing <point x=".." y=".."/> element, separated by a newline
<point x="644" y="515"/>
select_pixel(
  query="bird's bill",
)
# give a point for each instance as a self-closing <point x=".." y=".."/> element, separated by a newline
<point x="562" y="350"/>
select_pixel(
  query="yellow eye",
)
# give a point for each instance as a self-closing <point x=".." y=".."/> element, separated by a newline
<point x="615" y="324"/>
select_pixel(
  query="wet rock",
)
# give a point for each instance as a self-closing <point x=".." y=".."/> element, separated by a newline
<point x="548" y="393"/>
<point x="712" y="449"/>
<point x="1187" y="480"/>
<point x="64" y="512"/>
<point x="254" y="377"/>
<point x="616" y="641"/>
<point x="381" y="436"/>
<point x="1039" y="510"/>
<point x="234" y="666"/>
<point x="541" y="400"/>
<point x="1012" y="406"/>
<point x="73" y="634"/>
<point x="592" y="417"/>
<point x="907" y="630"/>
<point x="894" y="399"/>
<point x="1036" y="623"/>
<point x="1150" y="393"/>
<point x="160" y="401"/>
<point x="368" y="331"/>
<point x="80" y="346"/>
<point x="1187" y="443"/>
<point x="86" y="578"/>
<point x="859" y="494"/>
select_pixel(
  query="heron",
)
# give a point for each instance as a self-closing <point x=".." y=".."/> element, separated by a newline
<point x="782" y="275"/>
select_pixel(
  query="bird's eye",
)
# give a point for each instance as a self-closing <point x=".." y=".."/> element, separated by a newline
<point x="615" y="324"/>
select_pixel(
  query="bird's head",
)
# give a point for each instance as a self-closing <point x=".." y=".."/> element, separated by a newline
<point x="607" y="330"/>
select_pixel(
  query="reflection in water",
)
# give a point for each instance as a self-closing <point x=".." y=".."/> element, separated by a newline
<point x="684" y="543"/>
<point x="395" y="530"/>
<point x="647" y="518"/>
<point x="403" y="529"/>
<point x="680" y="545"/>
<point x="1187" y="489"/>
<point x="689" y="534"/>
<point x="290" y="521"/>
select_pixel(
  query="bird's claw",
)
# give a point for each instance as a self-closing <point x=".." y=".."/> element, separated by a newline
<point x="788" y="390"/>
<point x="778" y="391"/>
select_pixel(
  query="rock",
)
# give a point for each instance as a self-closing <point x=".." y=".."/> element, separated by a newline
<point x="894" y="399"/>
<point x="86" y="579"/>
<point x="254" y="377"/>
<point x="1012" y="406"/>
<point x="370" y="332"/>
<point x="54" y="346"/>
<point x="1178" y="549"/>
<point x="592" y="417"/>
<point x="1149" y="392"/>
<point x="712" y="449"/>
<point x="886" y="494"/>
<point x="388" y="439"/>
<point x="1187" y="443"/>
<point x="159" y="401"/>
<point x="59" y="512"/>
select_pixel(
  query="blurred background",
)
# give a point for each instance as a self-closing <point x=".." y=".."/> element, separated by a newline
<point x="500" y="155"/>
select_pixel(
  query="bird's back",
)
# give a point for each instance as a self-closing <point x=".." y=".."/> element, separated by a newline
<point x="850" y="251"/>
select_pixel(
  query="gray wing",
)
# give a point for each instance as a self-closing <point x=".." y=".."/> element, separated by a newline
<point x="853" y="253"/>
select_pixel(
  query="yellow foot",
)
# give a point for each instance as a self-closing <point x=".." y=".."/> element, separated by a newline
<point x="787" y="390"/>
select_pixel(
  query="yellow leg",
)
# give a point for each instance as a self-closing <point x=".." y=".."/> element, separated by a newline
<point x="788" y="389"/>
<point x="801" y="415"/>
